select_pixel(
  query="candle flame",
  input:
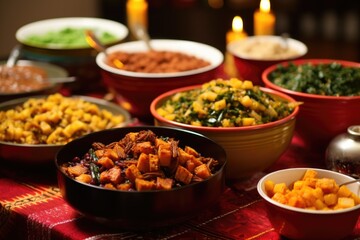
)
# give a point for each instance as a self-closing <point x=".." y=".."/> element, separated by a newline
<point x="237" y="24"/>
<point x="265" y="6"/>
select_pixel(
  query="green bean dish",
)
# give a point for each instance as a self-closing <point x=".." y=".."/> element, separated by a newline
<point x="331" y="79"/>
<point x="225" y="103"/>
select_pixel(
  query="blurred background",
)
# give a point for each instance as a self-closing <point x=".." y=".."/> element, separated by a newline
<point x="330" y="28"/>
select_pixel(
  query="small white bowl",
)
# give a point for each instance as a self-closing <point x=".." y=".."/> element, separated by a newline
<point x="298" y="223"/>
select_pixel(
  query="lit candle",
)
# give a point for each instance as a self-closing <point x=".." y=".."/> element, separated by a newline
<point x="136" y="11"/>
<point x="264" y="19"/>
<point x="237" y="31"/>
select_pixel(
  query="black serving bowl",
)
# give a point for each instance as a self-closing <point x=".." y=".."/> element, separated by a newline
<point x="144" y="210"/>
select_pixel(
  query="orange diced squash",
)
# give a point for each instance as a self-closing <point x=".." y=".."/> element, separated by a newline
<point x="153" y="163"/>
<point x="191" y="151"/>
<point x="160" y="141"/>
<point x="310" y="173"/>
<point x="110" y="153"/>
<point x="345" y="202"/>
<point x="202" y="171"/>
<point x="106" y="162"/>
<point x="280" y="188"/>
<point x="183" y="175"/>
<point x="113" y="175"/>
<point x="143" y="147"/>
<point x="109" y="186"/>
<point x="143" y="163"/>
<point x="76" y="170"/>
<point x="164" y="154"/>
<point x="330" y="199"/>
<point x="190" y="166"/>
<point x="269" y="187"/>
<point x="143" y="185"/>
<point x="85" y="178"/>
<point x="327" y="185"/>
<point x="164" y="183"/>
<point x="132" y="172"/>
<point x="344" y="191"/>
<point x="184" y="156"/>
<point x="123" y="186"/>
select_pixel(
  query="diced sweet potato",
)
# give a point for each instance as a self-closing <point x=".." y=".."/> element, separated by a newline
<point x="110" y="153"/>
<point x="106" y="162"/>
<point x="269" y="188"/>
<point x="202" y="171"/>
<point x="153" y="163"/>
<point x="190" y="166"/>
<point x="164" y="183"/>
<point x="143" y="163"/>
<point x="109" y="186"/>
<point x="184" y="156"/>
<point x="344" y="191"/>
<point x="141" y="184"/>
<point x="330" y="199"/>
<point x="310" y="173"/>
<point x="76" y="170"/>
<point x="143" y="147"/>
<point x="191" y="151"/>
<point x="85" y="178"/>
<point x="160" y="141"/>
<point x="164" y="154"/>
<point x="183" y="175"/>
<point x="132" y="172"/>
<point x="327" y="185"/>
<point x="345" y="202"/>
<point x="123" y="186"/>
<point x="113" y="175"/>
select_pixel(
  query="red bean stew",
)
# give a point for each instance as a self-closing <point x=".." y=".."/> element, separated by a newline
<point x="157" y="61"/>
<point x="141" y="161"/>
<point x="20" y="79"/>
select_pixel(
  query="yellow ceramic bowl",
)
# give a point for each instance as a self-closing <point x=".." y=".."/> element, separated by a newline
<point x="249" y="149"/>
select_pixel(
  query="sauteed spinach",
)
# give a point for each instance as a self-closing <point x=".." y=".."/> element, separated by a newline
<point x="331" y="79"/>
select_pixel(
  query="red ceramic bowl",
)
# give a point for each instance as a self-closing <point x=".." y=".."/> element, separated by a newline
<point x="251" y="67"/>
<point x="297" y="223"/>
<point x="320" y="118"/>
<point x="135" y="90"/>
<point x="250" y="149"/>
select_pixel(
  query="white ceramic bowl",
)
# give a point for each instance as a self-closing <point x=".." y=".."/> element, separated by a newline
<point x="298" y="223"/>
<point x="79" y="61"/>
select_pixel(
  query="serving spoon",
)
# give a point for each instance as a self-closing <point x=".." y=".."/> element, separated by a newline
<point x="349" y="182"/>
<point x="95" y="43"/>
<point x="141" y="34"/>
<point x="13" y="57"/>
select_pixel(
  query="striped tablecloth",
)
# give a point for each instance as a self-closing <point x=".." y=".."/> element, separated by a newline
<point x="32" y="208"/>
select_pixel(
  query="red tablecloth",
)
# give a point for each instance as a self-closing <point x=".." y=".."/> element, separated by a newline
<point x="32" y="208"/>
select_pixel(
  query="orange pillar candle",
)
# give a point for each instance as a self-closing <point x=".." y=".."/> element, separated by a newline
<point x="237" y="32"/>
<point x="136" y="11"/>
<point x="264" y="19"/>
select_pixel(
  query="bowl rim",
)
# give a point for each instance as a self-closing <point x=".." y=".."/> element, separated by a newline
<point x="168" y="94"/>
<point x="162" y="44"/>
<point x="119" y="30"/>
<point x="301" y="210"/>
<point x="138" y="128"/>
<point x="315" y="61"/>
<point x="231" y="47"/>
<point x="94" y="100"/>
